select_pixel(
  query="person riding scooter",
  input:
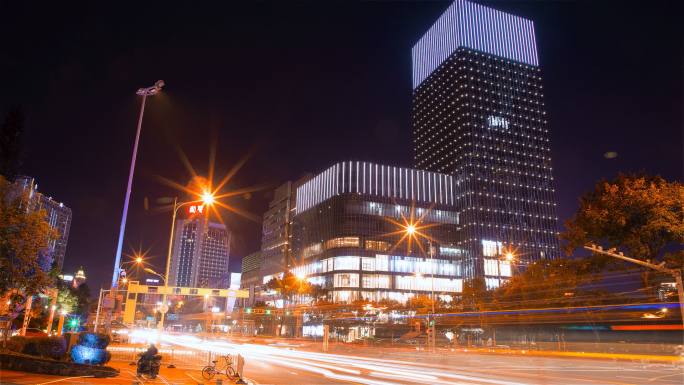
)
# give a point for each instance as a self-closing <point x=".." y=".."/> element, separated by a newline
<point x="149" y="362"/>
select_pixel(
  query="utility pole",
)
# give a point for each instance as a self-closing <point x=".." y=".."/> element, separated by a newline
<point x="676" y="273"/>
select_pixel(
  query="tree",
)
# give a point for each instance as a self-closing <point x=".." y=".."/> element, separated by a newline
<point x="23" y="240"/>
<point x="85" y="302"/>
<point x="557" y="283"/>
<point x="289" y="285"/>
<point x="640" y="215"/>
<point x="11" y="133"/>
<point x="421" y="303"/>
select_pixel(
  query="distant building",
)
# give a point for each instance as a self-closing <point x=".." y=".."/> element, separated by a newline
<point x="79" y="278"/>
<point x="479" y="116"/>
<point x="57" y="215"/>
<point x="200" y="256"/>
<point x="251" y="270"/>
<point x="350" y="233"/>
<point x="277" y="229"/>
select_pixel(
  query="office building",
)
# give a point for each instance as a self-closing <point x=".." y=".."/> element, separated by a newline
<point x="57" y="215"/>
<point x="201" y="250"/>
<point x="350" y="233"/>
<point x="276" y="229"/>
<point x="478" y="115"/>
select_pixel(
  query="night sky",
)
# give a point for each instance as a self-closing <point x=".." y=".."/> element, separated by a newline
<point x="298" y="86"/>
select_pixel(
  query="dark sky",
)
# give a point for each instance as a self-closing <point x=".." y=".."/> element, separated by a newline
<point x="299" y="86"/>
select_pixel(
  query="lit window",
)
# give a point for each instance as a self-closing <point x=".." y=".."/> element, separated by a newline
<point x="312" y="250"/>
<point x="346" y="280"/>
<point x="377" y="245"/>
<point x="504" y="268"/>
<point x="368" y="264"/>
<point x="346" y="263"/>
<point x="491" y="248"/>
<point x="491" y="267"/>
<point x="342" y="242"/>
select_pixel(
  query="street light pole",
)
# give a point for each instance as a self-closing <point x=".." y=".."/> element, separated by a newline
<point x="144" y="92"/>
<point x="676" y="273"/>
<point x="432" y="294"/>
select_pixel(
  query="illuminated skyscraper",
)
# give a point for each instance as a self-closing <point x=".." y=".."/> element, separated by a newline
<point x="478" y="115"/>
<point x="201" y="252"/>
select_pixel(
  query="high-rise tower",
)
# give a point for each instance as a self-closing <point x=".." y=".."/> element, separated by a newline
<point x="478" y="114"/>
<point x="201" y="252"/>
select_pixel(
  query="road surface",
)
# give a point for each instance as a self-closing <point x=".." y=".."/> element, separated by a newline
<point x="300" y="364"/>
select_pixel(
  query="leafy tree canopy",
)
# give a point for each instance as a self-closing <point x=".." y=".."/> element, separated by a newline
<point x="640" y="215"/>
<point x="290" y="285"/>
<point x="23" y="238"/>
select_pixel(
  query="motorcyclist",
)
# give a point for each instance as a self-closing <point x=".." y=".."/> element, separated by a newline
<point x="147" y="356"/>
<point x="151" y="352"/>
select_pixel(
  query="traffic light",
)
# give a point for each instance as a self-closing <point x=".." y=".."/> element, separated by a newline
<point x="248" y="310"/>
<point x="268" y="311"/>
<point x="432" y="323"/>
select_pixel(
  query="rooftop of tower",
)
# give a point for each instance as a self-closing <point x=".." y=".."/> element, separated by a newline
<point x="467" y="24"/>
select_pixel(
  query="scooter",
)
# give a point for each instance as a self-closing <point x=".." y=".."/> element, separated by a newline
<point x="149" y="367"/>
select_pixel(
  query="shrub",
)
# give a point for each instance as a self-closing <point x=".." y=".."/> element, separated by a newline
<point x="16" y="344"/>
<point x="86" y="355"/>
<point x="93" y="340"/>
<point x="49" y="347"/>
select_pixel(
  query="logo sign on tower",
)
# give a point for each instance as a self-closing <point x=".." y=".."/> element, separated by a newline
<point x="497" y="122"/>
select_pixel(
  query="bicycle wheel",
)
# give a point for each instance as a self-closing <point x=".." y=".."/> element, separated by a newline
<point x="230" y="372"/>
<point x="208" y="372"/>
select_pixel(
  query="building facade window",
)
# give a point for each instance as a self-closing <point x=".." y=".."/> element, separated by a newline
<point x="346" y="280"/>
<point x="342" y="242"/>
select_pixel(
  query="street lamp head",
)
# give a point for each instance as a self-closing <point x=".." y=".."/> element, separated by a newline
<point x="207" y="198"/>
<point x="155" y="89"/>
<point x="410" y="229"/>
<point x="138" y="259"/>
<point x="148" y="270"/>
<point x="509" y="256"/>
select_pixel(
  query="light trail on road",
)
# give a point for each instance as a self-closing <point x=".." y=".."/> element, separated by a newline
<point x="347" y="368"/>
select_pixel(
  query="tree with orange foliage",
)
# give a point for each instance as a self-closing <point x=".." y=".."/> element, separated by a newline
<point x="642" y="216"/>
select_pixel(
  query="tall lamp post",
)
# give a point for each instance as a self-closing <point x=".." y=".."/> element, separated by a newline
<point x="207" y="199"/>
<point x="144" y="92"/>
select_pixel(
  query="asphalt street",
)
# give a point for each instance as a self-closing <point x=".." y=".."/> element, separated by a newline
<point x="295" y="364"/>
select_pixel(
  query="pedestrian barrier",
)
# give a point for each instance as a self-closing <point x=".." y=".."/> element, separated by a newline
<point x="171" y="356"/>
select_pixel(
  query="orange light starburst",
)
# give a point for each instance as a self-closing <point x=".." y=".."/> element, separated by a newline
<point x="212" y="196"/>
<point x="411" y="229"/>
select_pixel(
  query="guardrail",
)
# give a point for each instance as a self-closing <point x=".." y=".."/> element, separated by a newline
<point x="176" y="356"/>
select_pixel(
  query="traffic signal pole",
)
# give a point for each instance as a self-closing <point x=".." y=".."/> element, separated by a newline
<point x="676" y="273"/>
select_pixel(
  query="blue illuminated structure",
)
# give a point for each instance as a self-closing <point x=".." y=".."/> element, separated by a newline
<point x="470" y="25"/>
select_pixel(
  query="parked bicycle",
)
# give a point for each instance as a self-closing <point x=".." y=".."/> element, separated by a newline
<point x="212" y="370"/>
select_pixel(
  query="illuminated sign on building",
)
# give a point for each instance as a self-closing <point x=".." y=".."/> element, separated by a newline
<point x="196" y="209"/>
<point x="497" y="121"/>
